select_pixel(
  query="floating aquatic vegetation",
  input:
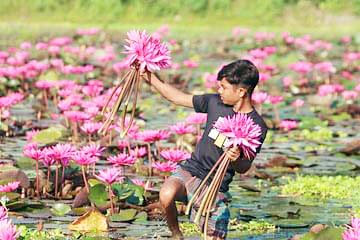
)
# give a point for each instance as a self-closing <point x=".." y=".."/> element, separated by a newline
<point x="324" y="188"/>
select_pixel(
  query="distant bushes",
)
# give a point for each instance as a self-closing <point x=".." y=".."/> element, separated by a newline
<point x="113" y="10"/>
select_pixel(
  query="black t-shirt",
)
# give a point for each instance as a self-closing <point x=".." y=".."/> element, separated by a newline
<point x="206" y="152"/>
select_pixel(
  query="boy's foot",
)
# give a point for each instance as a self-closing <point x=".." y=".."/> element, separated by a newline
<point x="177" y="236"/>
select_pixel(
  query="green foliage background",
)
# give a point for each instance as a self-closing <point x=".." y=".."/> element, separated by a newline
<point x="29" y="19"/>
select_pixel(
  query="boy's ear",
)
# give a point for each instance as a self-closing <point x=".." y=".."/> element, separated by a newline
<point x="242" y="92"/>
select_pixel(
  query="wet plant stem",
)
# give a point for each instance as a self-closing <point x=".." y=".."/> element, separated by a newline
<point x="37" y="180"/>
<point x="84" y="178"/>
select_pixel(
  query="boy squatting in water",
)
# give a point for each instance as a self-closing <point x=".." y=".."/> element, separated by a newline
<point x="237" y="81"/>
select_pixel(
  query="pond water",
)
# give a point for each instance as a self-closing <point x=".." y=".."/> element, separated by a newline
<point x="252" y="199"/>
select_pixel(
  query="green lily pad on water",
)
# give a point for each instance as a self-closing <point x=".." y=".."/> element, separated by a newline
<point x="290" y="223"/>
<point x="125" y="215"/>
<point x="25" y="163"/>
<point x="98" y="195"/>
<point x="141" y="217"/>
<point x="47" y="136"/>
<point x="60" y="209"/>
<point x="333" y="233"/>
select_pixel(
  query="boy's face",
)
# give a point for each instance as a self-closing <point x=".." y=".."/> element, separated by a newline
<point x="230" y="94"/>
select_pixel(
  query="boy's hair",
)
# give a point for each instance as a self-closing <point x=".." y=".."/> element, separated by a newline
<point x="240" y="72"/>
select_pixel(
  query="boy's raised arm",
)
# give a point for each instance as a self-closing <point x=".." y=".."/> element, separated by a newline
<point x="169" y="92"/>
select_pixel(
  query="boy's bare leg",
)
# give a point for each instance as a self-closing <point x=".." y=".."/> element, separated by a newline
<point x="172" y="189"/>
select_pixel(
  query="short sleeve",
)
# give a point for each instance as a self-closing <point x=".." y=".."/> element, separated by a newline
<point x="201" y="102"/>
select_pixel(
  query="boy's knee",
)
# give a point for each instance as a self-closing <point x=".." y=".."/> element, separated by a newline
<point x="167" y="196"/>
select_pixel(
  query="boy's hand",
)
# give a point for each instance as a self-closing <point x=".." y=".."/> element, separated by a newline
<point x="146" y="75"/>
<point x="233" y="153"/>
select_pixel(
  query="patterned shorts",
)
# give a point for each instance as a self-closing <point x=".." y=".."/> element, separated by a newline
<point x="220" y="214"/>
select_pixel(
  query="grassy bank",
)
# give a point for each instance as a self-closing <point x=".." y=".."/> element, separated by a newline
<point x="21" y="19"/>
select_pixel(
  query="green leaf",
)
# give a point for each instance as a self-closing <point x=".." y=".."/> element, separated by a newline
<point x="138" y="195"/>
<point x="141" y="217"/>
<point x="92" y="182"/>
<point x="50" y="135"/>
<point x="4" y="127"/>
<point x="308" y="236"/>
<point x="124" y="215"/>
<point x="98" y="194"/>
<point x="25" y="163"/>
<point x="333" y="233"/>
<point x="122" y="191"/>
<point x="60" y="209"/>
<point x="49" y="76"/>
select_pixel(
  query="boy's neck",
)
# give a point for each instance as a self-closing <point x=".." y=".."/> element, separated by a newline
<point x="243" y="106"/>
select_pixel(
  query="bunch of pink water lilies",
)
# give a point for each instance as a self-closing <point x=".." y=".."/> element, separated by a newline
<point x="60" y="156"/>
<point x="8" y="231"/>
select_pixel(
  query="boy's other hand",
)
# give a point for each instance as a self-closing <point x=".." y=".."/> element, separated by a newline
<point x="233" y="153"/>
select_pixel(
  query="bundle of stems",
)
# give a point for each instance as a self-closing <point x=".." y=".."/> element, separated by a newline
<point x="130" y="85"/>
<point x="211" y="193"/>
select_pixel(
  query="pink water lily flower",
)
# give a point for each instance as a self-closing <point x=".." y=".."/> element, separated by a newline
<point x="153" y="135"/>
<point x="297" y="103"/>
<point x="349" y="95"/>
<point x="138" y="152"/>
<point x="190" y="63"/>
<point x="87" y="31"/>
<point x="259" y="97"/>
<point x="241" y="131"/>
<point x="325" y="67"/>
<point x="196" y="118"/>
<point x="210" y="80"/>
<point x="9" y="187"/>
<point x="175" y="155"/>
<point x="239" y="31"/>
<point x="91" y="127"/>
<point x="165" y="166"/>
<point x="30" y="134"/>
<point x="147" y="51"/>
<point x="3" y="214"/>
<point x="353" y="231"/>
<point x="275" y="99"/>
<point x="44" y="84"/>
<point x="182" y="128"/>
<point x="8" y="230"/>
<point x="93" y="149"/>
<point x="32" y="151"/>
<point x="110" y="175"/>
<point x="47" y="157"/>
<point x="288" y="125"/>
<point x="63" y="153"/>
<point x="83" y="158"/>
<point x="76" y="116"/>
<point x="122" y="159"/>
<point x="301" y="67"/>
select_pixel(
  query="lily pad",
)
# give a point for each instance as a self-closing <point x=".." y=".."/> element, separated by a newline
<point x="47" y="136"/>
<point x="141" y="217"/>
<point x="124" y="215"/>
<point x="98" y="194"/>
<point x="122" y="191"/>
<point x="333" y="233"/>
<point x="92" y="221"/>
<point x="60" y="209"/>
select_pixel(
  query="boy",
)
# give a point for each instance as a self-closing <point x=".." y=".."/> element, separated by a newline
<point x="237" y="82"/>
